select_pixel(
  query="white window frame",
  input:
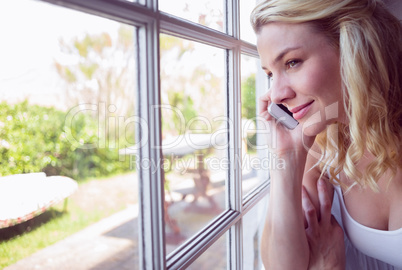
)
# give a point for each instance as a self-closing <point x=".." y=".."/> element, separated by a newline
<point x="150" y="22"/>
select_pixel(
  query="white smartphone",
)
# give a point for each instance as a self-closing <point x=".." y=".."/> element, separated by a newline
<point x="283" y="115"/>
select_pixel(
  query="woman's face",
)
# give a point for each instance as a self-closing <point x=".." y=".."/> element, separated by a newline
<point x="304" y="69"/>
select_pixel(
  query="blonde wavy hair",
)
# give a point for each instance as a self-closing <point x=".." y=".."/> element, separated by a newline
<point x="369" y="39"/>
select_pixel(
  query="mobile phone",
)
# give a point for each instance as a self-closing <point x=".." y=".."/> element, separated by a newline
<point x="283" y="115"/>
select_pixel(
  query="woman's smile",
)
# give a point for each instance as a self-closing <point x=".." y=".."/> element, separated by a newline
<point x="300" y="111"/>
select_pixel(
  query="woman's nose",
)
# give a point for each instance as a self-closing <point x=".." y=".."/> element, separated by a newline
<point x="281" y="90"/>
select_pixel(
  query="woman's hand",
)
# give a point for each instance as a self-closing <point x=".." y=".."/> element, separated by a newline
<point x="324" y="235"/>
<point x="281" y="140"/>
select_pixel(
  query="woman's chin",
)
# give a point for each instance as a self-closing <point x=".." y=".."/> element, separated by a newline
<point x="314" y="129"/>
<point x="315" y="124"/>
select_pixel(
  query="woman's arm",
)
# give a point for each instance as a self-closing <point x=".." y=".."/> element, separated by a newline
<point x="284" y="243"/>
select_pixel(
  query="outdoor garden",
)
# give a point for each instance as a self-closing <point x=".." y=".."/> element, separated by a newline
<point x="33" y="139"/>
<point x="79" y="132"/>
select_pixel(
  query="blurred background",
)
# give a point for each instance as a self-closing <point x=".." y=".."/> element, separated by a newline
<point x="67" y="108"/>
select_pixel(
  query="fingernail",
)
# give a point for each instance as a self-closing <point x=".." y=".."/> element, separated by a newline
<point x="321" y="182"/>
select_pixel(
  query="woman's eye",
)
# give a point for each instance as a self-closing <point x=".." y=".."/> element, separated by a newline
<point x="292" y="63"/>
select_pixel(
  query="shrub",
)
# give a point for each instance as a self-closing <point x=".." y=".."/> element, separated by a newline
<point x="34" y="138"/>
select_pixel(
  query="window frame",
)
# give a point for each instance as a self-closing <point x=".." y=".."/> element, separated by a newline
<point x="149" y="23"/>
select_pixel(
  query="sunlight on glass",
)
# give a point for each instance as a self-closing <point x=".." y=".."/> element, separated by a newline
<point x="205" y="12"/>
<point x="67" y="88"/>
<point x="214" y="257"/>
<point x="246" y="31"/>
<point x="193" y="133"/>
<point x="251" y="162"/>
<point x="253" y="223"/>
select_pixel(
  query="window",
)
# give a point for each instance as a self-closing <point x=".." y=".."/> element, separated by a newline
<point x="192" y="81"/>
<point x="67" y="93"/>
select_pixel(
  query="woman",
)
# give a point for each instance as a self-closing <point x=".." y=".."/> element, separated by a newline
<point x="336" y="65"/>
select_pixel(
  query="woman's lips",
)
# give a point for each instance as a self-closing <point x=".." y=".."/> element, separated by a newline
<point x="301" y="111"/>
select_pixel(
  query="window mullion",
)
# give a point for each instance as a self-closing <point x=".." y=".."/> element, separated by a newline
<point x="234" y="185"/>
<point x="249" y="49"/>
<point x="194" y="247"/>
<point x="234" y="190"/>
<point x="233" y="18"/>
<point x="151" y="222"/>
<point x="175" y="26"/>
<point x="151" y="4"/>
<point x="122" y="11"/>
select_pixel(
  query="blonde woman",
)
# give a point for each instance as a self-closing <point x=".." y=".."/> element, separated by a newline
<point x="336" y="65"/>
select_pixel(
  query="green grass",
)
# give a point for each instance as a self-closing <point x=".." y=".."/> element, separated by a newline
<point x="50" y="227"/>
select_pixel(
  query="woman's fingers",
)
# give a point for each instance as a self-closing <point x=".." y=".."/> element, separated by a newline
<point x="325" y="202"/>
<point x="263" y="103"/>
<point x="309" y="211"/>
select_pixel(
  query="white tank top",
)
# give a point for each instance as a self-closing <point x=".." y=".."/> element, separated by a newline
<point x="367" y="248"/>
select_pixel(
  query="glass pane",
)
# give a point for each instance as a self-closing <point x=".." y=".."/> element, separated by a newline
<point x="206" y="12"/>
<point x="67" y="90"/>
<point x="193" y="132"/>
<point x="253" y="223"/>
<point x="214" y="257"/>
<point x="246" y="31"/>
<point x="251" y="162"/>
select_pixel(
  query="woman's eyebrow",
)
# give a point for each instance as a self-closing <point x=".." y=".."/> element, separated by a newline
<point x="282" y="55"/>
<point x="284" y="52"/>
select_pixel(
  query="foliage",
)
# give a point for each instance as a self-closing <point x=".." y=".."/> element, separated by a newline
<point x="248" y="98"/>
<point x="35" y="138"/>
<point x="248" y="109"/>
<point x="185" y="105"/>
